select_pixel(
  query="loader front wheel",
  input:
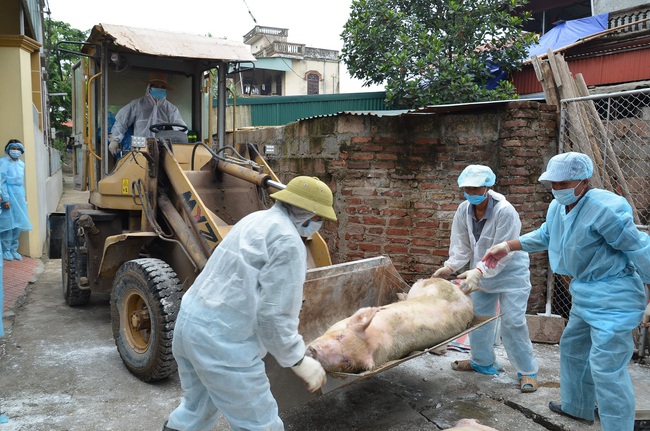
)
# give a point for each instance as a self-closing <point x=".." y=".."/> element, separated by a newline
<point x="73" y="295"/>
<point x="145" y="300"/>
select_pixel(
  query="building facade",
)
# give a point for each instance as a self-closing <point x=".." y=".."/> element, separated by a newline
<point x="24" y="114"/>
<point x="284" y="68"/>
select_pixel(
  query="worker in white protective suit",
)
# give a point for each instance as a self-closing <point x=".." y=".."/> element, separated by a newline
<point x="484" y="219"/>
<point x="590" y="235"/>
<point x="142" y="113"/>
<point x="245" y="303"/>
<point x="14" y="218"/>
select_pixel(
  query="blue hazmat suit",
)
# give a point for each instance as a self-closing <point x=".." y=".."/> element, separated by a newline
<point x="14" y="220"/>
<point x="3" y="196"/>
<point x="142" y="113"/>
<point x="2" y="295"/>
<point x="245" y="303"/>
<point x="508" y="284"/>
<point x="599" y="246"/>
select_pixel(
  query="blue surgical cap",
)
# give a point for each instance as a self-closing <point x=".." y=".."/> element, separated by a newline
<point x="568" y="167"/>
<point x="476" y="176"/>
<point x="14" y="143"/>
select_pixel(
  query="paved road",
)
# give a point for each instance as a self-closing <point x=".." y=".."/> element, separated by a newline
<point x="61" y="371"/>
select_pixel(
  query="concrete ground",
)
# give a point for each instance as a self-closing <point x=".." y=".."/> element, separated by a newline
<point x="60" y="371"/>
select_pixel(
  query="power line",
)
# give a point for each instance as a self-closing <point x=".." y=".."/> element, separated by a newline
<point x="249" y="12"/>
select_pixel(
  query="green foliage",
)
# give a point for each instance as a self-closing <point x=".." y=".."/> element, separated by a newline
<point x="435" y="51"/>
<point x="59" y="68"/>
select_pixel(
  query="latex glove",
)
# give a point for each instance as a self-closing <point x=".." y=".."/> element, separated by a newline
<point x="114" y="147"/>
<point x="312" y="372"/>
<point x="646" y="315"/>
<point x="495" y="254"/>
<point x="471" y="277"/>
<point x="443" y="272"/>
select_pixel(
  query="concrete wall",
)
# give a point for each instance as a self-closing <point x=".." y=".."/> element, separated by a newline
<point x="395" y="178"/>
<point x="602" y="6"/>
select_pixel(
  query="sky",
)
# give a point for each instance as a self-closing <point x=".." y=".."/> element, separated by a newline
<point x="315" y="24"/>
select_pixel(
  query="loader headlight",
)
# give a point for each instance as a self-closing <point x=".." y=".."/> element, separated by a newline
<point x="138" y="142"/>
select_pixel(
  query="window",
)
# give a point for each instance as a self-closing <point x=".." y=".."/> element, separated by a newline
<point x="313" y="82"/>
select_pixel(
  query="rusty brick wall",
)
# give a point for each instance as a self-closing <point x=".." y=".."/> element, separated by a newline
<point x="394" y="177"/>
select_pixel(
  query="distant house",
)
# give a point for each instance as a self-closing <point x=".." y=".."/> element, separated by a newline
<point x="284" y="68"/>
<point x="614" y="58"/>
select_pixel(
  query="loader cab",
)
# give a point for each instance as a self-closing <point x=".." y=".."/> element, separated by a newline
<point x="114" y="69"/>
<point x="125" y="88"/>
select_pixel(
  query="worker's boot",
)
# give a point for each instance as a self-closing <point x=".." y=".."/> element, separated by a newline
<point x="166" y="428"/>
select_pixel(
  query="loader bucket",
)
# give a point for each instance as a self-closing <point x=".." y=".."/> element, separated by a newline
<point x="333" y="293"/>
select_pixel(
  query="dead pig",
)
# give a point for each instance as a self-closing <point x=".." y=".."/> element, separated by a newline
<point x="470" y="425"/>
<point x="433" y="311"/>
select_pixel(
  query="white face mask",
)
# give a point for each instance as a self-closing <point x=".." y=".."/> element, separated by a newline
<point x="14" y="154"/>
<point x="298" y="216"/>
<point x="311" y="228"/>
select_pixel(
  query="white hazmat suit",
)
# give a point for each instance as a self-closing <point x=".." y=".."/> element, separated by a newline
<point x="245" y="303"/>
<point x="142" y="113"/>
<point x="508" y="284"/>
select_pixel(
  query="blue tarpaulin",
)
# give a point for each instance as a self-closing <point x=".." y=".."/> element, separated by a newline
<point x="568" y="32"/>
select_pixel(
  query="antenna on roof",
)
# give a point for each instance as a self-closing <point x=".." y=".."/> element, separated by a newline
<point x="249" y="12"/>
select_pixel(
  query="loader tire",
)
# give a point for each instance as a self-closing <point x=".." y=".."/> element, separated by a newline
<point x="73" y="295"/>
<point x="145" y="300"/>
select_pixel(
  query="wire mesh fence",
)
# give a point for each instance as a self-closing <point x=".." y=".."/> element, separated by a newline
<point x="614" y="130"/>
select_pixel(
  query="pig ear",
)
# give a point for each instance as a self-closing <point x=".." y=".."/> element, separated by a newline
<point x="362" y="318"/>
<point x="401" y="296"/>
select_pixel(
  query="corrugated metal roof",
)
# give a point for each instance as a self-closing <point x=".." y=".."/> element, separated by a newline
<point x="459" y="107"/>
<point x="171" y="44"/>
<point x="433" y="109"/>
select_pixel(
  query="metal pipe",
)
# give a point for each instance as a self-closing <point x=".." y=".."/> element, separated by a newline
<point x="244" y="173"/>
<point x="221" y="104"/>
<point x="275" y="185"/>
<point x="606" y="95"/>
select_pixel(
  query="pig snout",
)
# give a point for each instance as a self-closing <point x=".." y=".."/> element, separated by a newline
<point x="330" y="355"/>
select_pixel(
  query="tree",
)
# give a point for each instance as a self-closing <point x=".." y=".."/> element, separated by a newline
<point x="435" y="51"/>
<point x="59" y="71"/>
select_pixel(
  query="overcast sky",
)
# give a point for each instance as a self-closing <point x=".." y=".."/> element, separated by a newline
<point x="316" y="24"/>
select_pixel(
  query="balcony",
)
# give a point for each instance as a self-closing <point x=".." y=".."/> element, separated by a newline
<point x="271" y="33"/>
<point x="282" y="49"/>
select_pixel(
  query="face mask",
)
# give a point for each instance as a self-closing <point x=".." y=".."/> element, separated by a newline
<point x="298" y="216"/>
<point x="475" y="199"/>
<point x="158" y="93"/>
<point x="14" y="154"/>
<point x="311" y="228"/>
<point x="566" y="196"/>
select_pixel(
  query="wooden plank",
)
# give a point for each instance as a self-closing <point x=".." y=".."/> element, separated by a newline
<point x="550" y="89"/>
<point x="538" y="69"/>
<point x="554" y="68"/>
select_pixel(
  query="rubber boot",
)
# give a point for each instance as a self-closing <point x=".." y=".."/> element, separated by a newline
<point x="166" y="428"/>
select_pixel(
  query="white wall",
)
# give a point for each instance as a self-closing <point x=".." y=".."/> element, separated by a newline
<point x="602" y="6"/>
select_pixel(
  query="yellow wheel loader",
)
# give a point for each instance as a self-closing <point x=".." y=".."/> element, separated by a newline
<point x="157" y="210"/>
